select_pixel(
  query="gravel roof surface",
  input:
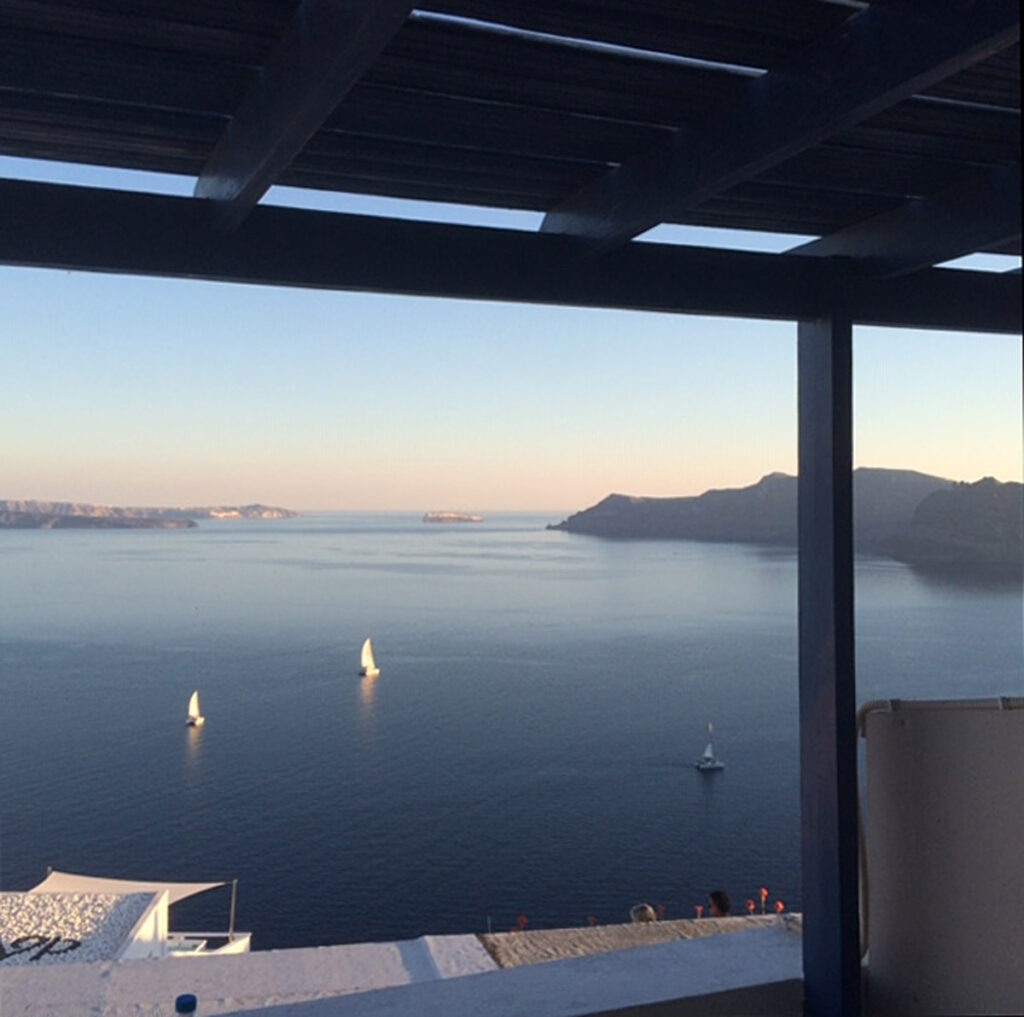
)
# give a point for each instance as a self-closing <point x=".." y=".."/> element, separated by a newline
<point x="40" y="928"/>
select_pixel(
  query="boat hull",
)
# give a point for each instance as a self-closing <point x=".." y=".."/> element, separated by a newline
<point x="704" y="766"/>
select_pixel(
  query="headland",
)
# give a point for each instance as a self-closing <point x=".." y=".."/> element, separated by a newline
<point x="923" y="520"/>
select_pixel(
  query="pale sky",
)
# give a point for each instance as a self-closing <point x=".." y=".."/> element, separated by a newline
<point x="128" y="390"/>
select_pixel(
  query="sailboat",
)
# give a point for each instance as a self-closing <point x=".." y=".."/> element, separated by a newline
<point x="708" y="760"/>
<point x="369" y="666"/>
<point x="195" y="718"/>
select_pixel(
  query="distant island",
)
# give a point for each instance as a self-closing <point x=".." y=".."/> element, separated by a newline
<point x="52" y="515"/>
<point x="912" y="517"/>
<point x="452" y="517"/>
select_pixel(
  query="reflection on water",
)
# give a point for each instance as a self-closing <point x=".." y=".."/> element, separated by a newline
<point x="1005" y="577"/>
<point x="707" y="782"/>
<point x="367" y="690"/>
<point x="193" y="751"/>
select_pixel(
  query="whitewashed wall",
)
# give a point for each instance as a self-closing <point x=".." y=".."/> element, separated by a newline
<point x="149" y="937"/>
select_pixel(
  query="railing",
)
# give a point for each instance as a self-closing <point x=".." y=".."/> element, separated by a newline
<point x="191" y="944"/>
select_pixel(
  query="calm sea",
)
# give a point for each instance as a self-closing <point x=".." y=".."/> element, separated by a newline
<point x="527" y="748"/>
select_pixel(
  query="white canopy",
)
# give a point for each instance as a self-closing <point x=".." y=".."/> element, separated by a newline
<point x="71" y="882"/>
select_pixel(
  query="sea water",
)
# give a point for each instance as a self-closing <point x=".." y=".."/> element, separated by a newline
<point x="527" y="749"/>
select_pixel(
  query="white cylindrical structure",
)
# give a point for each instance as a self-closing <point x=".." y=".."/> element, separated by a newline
<point x="944" y="829"/>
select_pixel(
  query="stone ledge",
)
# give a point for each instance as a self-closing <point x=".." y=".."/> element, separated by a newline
<point x="511" y="949"/>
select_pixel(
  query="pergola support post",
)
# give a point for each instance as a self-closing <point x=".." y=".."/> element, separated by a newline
<point x="828" y="747"/>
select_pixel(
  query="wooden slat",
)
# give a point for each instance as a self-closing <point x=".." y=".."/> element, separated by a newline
<point x="786" y="201"/>
<point x="726" y="213"/>
<point x="841" y="167"/>
<point x="496" y="132"/>
<point x="49" y="65"/>
<point x="243" y="36"/>
<point x="113" y="154"/>
<point x="325" y="49"/>
<point x="453" y="60"/>
<point x="100" y="117"/>
<point x="375" y="159"/>
<point x="465" y="189"/>
<point x="980" y="137"/>
<point x="1011" y="248"/>
<point x="405" y="114"/>
<point x="928" y="231"/>
<point x="266" y="17"/>
<point x="731" y="31"/>
<point x="47" y="127"/>
<point x="995" y="81"/>
<point x="879" y="58"/>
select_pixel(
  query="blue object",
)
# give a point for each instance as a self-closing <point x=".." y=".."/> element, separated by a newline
<point x="186" y="1003"/>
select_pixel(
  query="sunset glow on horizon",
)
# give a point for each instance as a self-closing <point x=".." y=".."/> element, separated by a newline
<point x="138" y="391"/>
<point x="127" y="390"/>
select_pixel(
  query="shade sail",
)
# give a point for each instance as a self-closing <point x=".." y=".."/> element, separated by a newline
<point x="72" y="882"/>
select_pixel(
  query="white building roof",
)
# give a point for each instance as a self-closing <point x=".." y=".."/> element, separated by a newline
<point x="58" y="928"/>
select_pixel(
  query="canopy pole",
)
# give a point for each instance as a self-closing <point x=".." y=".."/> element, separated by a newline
<point x="234" y="900"/>
<point x="828" y="734"/>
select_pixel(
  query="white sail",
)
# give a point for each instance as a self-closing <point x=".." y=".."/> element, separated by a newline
<point x="709" y="752"/>
<point x="369" y="665"/>
<point x="708" y="761"/>
<point x="195" y="718"/>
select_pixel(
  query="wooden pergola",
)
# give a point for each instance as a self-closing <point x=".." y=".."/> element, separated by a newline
<point x="889" y="130"/>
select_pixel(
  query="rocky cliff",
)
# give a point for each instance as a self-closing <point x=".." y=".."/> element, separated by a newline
<point x="764" y="513"/>
<point x="976" y="524"/>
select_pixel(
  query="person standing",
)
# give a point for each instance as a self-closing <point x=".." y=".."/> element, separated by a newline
<point x="719" y="904"/>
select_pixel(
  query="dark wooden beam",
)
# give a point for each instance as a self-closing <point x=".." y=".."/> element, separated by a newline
<point x="928" y="299"/>
<point x="55" y="226"/>
<point x="828" y="736"/>
<point x="327" y="46"/>
<point x="877" y="58"/>
<point x="960" y="220"/>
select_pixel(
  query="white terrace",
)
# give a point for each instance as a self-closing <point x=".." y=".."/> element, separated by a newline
<point x="74" y="919"/>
